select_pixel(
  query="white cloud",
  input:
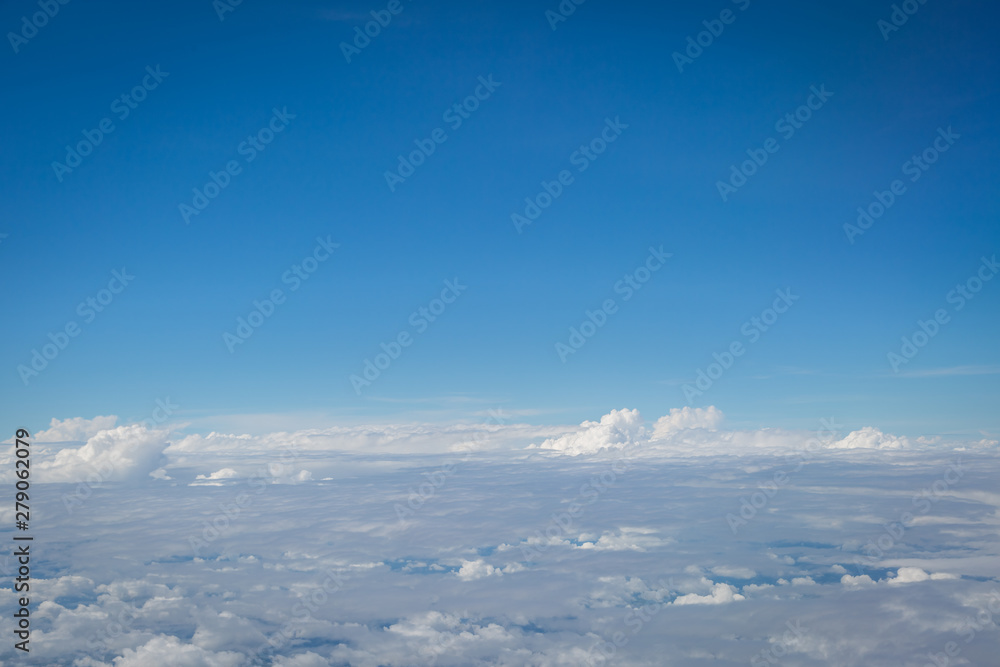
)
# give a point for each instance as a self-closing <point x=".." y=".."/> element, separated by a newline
<point x="125" y="453"/>
<point x="870" y="438"/>
<point x="720" y="594"/>
<point x="616" y="430"/>
<point x="477" y="569"/>
<point x="910" y="575"/>
<point x="225" y="473"/>
<point x="687" y="417"/>
<point x="76" y="429"/>
<point x="628" y="538"/>
<point x="856" y="581"/>
<point x="168" y="651"/>
<point x="441" y="588"/>
<point x="307" y="659"/>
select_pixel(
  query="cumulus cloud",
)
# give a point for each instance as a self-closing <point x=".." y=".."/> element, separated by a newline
<point x="684" y="418"/>
<point x="76" y="429"/>
<point x="616" y="430"/>
<point x="168" y="651"/>
<point x="442" y="589"/>
<point x="307" y="659"/>
<point x="856" y="581"/>
<point x="477" y="569"/>
<point x="691" y="431"/>
<point x="870" y="438"/>
<point x="225" y="473"/>
<point x="910" y="575"/>
<point x="125" y="453"/>
<point x="720" y="594"/>
<point x="625" y="539"/>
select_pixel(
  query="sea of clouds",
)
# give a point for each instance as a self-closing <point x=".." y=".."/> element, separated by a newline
<point x="620" y="541"/>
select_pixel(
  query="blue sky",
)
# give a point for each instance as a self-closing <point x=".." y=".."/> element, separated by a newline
<point x="655" y="185"/>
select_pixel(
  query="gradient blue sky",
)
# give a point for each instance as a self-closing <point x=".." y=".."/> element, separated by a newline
<point x="655" y="185"/>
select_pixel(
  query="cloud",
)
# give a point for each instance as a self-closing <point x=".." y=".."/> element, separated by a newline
<point x="910" y="575"/>
<point x="168" y="651"/>
<point x="856" y="581"/>
<point x="720" y="594"/>
<point x="870" y="438"/>
<point x="477" y="569"/>
<point x="734" y="572"/>
<point x="691" y="431"/>
<point x="441" y="589"/>
<point x="684" y="418"/>
<point x="307" y="659"/>
<point x="616" y="430"/>
<point x="225" y="473"/>
<point x="125" y="453"/>
<point x="625" y="539"/>
<point x="76" y="429"/>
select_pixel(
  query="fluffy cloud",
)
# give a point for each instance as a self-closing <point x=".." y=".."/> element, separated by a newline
<point x="625" y="539"/>
<point x="76" y="429"/>
<point x="441" y="589"/>
<point x="477" y="569"/>
<point x="126" y="453"/>
<point x="720" y="594"/>
<point x="168" y="651"/>
<point x="910" y="575"/>
<point x="225" y="473"/>
<point x="870" y="438"/>
<point x="688" y="431"/>
<point x="616" y="430"/>
<point x="685" y="418"/>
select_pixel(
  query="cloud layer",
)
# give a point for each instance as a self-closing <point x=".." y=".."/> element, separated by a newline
<point x="618" y="541"/>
